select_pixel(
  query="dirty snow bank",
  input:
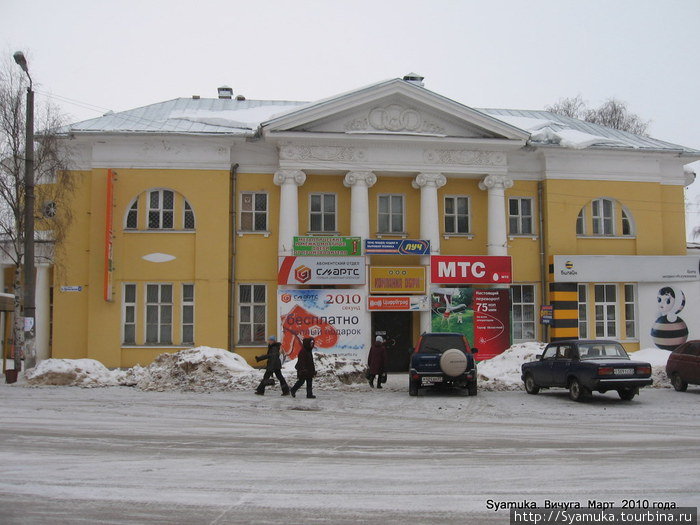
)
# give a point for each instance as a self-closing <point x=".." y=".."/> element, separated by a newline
<point x="85" y="373"/>
<point x="657" y="359"/>
<point x="332" y="371"/>
<point x="502" y="372"/>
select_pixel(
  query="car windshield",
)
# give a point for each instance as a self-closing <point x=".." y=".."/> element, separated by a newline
<point x="437" y="344"/>
<point x="601" y="351"/>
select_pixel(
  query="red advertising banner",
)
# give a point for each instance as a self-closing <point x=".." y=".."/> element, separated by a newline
<point x="470" y="269"/>
<point x="491" y="322"/>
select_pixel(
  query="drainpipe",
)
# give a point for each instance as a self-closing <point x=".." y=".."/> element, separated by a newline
<point x="543" y="255"/>
<point x="233" y="176"/>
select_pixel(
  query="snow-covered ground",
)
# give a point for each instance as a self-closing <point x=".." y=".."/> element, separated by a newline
<point x="121" y="455"/>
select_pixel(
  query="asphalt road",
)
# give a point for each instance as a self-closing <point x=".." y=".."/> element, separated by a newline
<point x="121" y="456"/>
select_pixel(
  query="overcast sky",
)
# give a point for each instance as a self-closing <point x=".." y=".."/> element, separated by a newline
<point x="507" y="54"/>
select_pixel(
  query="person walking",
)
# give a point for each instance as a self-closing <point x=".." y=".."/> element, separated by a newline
<point x="306" y="370"/>
<point x="376" y="362"/>
<point x="274" y="366"/>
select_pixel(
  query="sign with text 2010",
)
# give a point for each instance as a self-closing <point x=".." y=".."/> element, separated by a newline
<point x="470" y="269"/>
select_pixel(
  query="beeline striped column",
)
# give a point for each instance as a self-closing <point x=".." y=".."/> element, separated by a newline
<point x="564" y="299"/>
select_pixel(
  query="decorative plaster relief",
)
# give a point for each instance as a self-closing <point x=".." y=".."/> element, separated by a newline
<point x="464" y="157"/>
<point x="324" y="153"/>
<point x="159" y="257"/>
<point x="353" y="178"/>
<point x="395" y="118"/>
<point x="496" y="181"/>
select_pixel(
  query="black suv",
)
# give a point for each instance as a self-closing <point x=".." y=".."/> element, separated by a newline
<point x="442" y="360"/>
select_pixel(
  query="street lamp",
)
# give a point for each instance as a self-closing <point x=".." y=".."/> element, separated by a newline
<point x="29" y="282"/>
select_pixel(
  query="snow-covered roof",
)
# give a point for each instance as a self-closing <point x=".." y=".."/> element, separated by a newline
<point x="547" y="128"/>
<point x="189" y="116"/>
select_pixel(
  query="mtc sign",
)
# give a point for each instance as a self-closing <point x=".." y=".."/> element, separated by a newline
<point x="470" y="269"/>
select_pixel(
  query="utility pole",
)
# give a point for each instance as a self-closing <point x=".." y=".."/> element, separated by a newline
<point x="29" y="280"/>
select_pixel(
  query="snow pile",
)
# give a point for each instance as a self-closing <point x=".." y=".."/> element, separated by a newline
<point x="86" y="373"/>
<point x="502" y="372"/>
<point x="657" y="359"/>
<point x="332" y="371"/>
<point x="200" y="369"/>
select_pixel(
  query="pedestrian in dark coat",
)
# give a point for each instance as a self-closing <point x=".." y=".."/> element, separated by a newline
<point x="376" y="362"/>
<point x="306" y="371"/>
<point x="274" y="366"/>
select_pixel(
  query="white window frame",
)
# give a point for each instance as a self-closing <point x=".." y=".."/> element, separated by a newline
<point x="606" y="304"/>
<point x="251" y="305"/>
<point x="391" y="213"/>
<point x="159" y="322"/>
<point x="583" y="323"/>
<point x="253" y="212"/>
<point x="187" y="304"/>
<point x="323" y="213"/>
<point x="601" y="219"/>
<point x="633" y="307"/>
<point x="160" y="210"/>
<point x="520" y="218"/>
<point x="455" y="216"/>
<point x="125" y="306"/>
<point x="523" y="305"/>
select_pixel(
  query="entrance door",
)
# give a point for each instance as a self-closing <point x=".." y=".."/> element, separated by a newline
<point x="396" y="327"/>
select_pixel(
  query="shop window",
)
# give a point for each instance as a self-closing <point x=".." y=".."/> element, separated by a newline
<point x="582" y="311"/>
<point x="630" y="311"/>
<point x="252" y="313"/>
<point x="605" y="296"/>
<point x="322" y="208"/>
<point x="187" y="314"/>
<point x="520" y="216"/>
<point x="159" y="314"/>
<point x="390" y="214"/>
<point x="457" y="220"/>
<point x="523" y="310"/>
<point x="129" y="314"/>
<point x="253" y="215"/>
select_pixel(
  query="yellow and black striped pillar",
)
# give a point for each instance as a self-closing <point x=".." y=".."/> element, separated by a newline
<point x="564" y="300"/>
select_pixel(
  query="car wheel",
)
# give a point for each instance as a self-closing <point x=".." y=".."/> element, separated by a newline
<point x="627" y="394"/>
<point x="577" y="391"/>
<point x="413" y="387"/>
<point x="530" y="385"/>
<point x="678" y="383"/>
<point x="471" y="388"/>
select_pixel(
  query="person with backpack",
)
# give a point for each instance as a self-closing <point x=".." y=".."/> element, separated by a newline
<point x="306" y="370"/>
<point x="274" y="366"/>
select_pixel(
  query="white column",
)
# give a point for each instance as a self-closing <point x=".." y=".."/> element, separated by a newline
<point x="496" y="185"/>
<point x="289" y="182"/>
<point x="359" y="183"/>
<point x="43" y="312"/>
<point x="429" y="226"/>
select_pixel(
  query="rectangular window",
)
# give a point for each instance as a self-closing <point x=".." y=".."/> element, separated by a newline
<point x="253" y="212"/>
<point x="523" y="308"/>
<point x="160" y="209"/>
<point x="630" y="311"/>
<point x="603" y="217"/>
<point x="322" y="212"/>
<point x="252" y="313"/>
<point x="605" y="310"/>
<point x="129" y="314"/>
<point x="457" y="215"/>
<point x="520" y="216"/>
<point x="390" y="214"/>
<point x="582" y="311"/>
<point x="187" y="314"/>
<point x="159" y="314"/>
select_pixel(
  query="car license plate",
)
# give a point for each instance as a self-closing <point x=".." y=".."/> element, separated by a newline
<point x="431" y="380"/>
<point x="624" y="371"/>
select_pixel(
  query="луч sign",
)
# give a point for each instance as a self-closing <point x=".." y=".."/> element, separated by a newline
<point x="321" y="270"/>
<point x="397" y="247"/>
<point x="470" y="269"/>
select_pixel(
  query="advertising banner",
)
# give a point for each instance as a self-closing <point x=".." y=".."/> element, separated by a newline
<point x="470" y="269"/>
<point x="625" y="268"/>
<point x="321" y="270"/>
<point x="483" y="316"/>
<point x="397" y="247"/>
<point x="335" y="318"/>
<point x="397" y="280"/>
<point x="327" y="245"/>
<point x="398" y="303"/>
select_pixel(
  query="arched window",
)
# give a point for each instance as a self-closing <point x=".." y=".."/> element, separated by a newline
<point x="163" y="209"/>
<point x="604" y="217"/>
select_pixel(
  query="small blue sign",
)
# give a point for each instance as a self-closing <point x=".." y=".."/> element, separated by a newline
<point x="396" y="247"/>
